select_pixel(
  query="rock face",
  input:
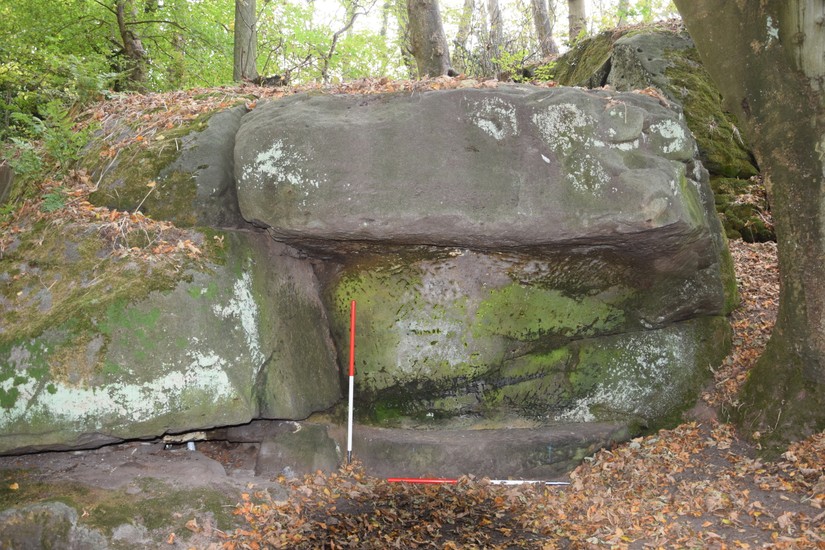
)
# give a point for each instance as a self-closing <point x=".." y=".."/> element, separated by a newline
<point x="550" y="254"/>
<point x="518" y="167"/>
<point x="667" y="60"/>
<point x="234" y="342"/>
<point x="521" y="258"/>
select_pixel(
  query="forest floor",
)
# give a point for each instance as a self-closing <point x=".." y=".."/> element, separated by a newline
<point x="699" y="485"/>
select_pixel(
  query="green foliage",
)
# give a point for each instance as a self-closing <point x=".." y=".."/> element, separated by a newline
<point x="512" y="63"/>
<point x="54" y="200"/>
<point x="296" y="41"/>
<point x="61" y="142"/>
<point x="24" y="158"/>
<point x="545" y="72"/>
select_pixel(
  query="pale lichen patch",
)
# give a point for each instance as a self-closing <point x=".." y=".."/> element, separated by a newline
<point x="243" y="307"/>
<point x="495" y="117"/>
<point x="672" y="139"/>
<point x="280" y="165"/>
<point x="569" y="133"/>
<point x="641" y="377"/>
<point x="92" y="407"/>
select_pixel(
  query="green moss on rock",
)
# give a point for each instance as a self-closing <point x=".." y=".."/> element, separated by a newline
<point x="527" y="313"/>
<point x="743" y="209"/>
<point x="139" y="179"/>
<point x="721" y="146"/>
<point x="587" y="63"/>
<point x="67" y="274"/>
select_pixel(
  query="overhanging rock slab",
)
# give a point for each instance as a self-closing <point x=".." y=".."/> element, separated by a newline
<point x="518" y="166"/>
<point x="551" y="254"/>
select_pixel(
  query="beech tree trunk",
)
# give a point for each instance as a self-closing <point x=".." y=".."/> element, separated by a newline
<point x="132" y="46"/>
<point x="767" y="59"/>
<point x="544" y="28"/>
<point x="245" y="65"/>
<point x="576" y="18"/>
<point x="427" y="40"/>
<point x="460" y="50"/>
<point x="496" y="32"/>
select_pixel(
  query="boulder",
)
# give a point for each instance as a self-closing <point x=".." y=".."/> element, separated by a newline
<point x="183" y="175"/>
<point x="541" y="260"/>
<point x="516" y="167"/>
<point x="548" y="254"/>
<point x="240" y="339"/>
<point x="666" y="59"/>
<point x="529" y="453"/>
<point x="295" y="449"/>
<point x="47" y="525"/>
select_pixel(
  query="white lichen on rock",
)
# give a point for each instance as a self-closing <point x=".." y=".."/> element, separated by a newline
<point x="242" y="306"/>
<point x="495" y="117"/>
<point x="674" y="139"/>
<point x="560" y="126"/>
<point x="131" y="402"/>
<point x="568" y="132"/>
<point x="639" y="381"/>
<point x="280" y="165"/>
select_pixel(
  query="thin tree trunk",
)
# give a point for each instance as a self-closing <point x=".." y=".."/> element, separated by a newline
<point x="399" y="8"/>
<point x="766" y="58"/>
<point x="496" y="32"/>
<point x="427" y="39"/>
<point x="245" y="66"/>
<point x="622" y="10"/>
<point x="577" y="19"/>
<point x="352" y="14"/>
<point x="386" y="9"/>
<point x="544" y="30"/>
<point x="132" y="47"/>
<point x="460" y="50"/>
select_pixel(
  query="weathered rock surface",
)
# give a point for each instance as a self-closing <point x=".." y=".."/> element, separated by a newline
<point x="516" y="167"/>
<point x="537" y="453"/>
<point x="521" y="258"/>
<point x="295" y="449"/>
<point x="553" y="256"/>
<point x="634" y="59"/>
<point x="233" y="342"/>
<point x="47" y="525"/>
<point x="190" y="169"/>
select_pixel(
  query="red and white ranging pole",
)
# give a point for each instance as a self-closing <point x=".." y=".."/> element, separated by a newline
<point x="351" y="379"/>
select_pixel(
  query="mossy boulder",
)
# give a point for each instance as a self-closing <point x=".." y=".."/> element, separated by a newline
<point x="182" y="175"/>
<point x="667" y="60"/>
<point x="567" y="337"/>
<point x="554" y="257"/>
<point x="95" y="349"/>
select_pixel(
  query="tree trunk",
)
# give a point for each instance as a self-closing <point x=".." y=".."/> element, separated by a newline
<point x="132" y="48"/>
<point x="622" y="11"/>
<point x="245" y="66"/>
<point x="496" y="32"/>
<point x="427" y="39"/>
<point x="544" y="30"/>
<point x="400" y="9"/>
<point x="766" y="58"/>
<point x="386" y="9"/>
<point x="576" y="18"/>
<point x="460" y="50"/>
